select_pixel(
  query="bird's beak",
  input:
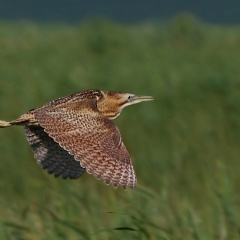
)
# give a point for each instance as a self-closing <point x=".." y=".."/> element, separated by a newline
<point x="137" y="99"/>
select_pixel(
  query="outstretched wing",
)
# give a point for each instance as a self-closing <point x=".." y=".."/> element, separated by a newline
<point x="93" y="140"/>
<point x="50" y="155"/>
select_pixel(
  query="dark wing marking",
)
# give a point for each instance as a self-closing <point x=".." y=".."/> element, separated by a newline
<point x="92" y="138"/>
<point x="50" y="155"/>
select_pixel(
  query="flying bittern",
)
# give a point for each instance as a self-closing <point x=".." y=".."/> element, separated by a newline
<point x="75" y="133"/>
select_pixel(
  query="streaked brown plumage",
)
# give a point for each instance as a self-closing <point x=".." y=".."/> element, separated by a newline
<point x="75" y="133"/>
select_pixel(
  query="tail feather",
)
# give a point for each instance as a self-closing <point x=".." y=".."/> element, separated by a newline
<point x="4" y="124"/>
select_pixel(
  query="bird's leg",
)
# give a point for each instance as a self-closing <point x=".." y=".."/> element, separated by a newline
<point x="25" y="119"/>
<point x="4" y="124"/>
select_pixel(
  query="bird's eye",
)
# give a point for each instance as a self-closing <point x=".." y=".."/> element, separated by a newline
<point x="129" y="97"/>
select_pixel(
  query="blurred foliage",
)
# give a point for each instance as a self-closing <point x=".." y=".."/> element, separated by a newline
<point x="184" y="144"/>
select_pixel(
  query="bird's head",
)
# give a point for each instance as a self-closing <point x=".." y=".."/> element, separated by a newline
<point x="112" y="103"/>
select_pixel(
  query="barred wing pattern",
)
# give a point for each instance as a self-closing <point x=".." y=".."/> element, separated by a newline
<point x="93" y="140"/>
<point x="50" y="155"/>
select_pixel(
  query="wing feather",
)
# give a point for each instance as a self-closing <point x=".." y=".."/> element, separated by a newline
<point x="50" y="155"/>
<point x="91" y="138"/>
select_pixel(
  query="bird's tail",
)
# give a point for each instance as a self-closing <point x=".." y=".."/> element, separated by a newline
<point x="4" y="124"/>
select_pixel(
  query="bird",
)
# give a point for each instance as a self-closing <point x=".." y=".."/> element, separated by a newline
<point x="75" y="133"/>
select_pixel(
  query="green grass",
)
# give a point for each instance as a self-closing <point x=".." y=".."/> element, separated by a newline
<point x="184" y="144"/>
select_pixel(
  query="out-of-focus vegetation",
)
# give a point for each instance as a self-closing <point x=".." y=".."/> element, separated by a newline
<point x="185" y="145"/>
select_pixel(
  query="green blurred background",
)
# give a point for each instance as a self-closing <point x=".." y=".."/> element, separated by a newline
<point x="184" y="145"/>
